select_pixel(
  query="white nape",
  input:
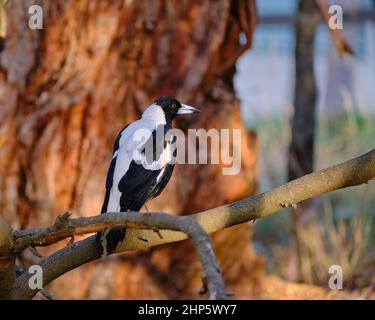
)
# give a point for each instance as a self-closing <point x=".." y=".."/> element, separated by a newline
<point x="154" y="113"/>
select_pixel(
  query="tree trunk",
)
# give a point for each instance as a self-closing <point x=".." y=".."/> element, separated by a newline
<point x="301" y="149"/>
<point x="66" y="91"/>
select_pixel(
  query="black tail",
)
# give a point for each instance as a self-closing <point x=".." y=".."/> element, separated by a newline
<point x="114" y="236"/>
<point x="112" y="239"/>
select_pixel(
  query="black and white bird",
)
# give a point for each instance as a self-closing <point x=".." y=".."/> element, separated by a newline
<point x="135" y="175"/>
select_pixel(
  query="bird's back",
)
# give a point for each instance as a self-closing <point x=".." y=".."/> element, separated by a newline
<point x="131" y="183"/>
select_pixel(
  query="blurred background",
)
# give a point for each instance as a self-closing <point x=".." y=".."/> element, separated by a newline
<point x="336" y="228"/>
<point x="302" y="94"/>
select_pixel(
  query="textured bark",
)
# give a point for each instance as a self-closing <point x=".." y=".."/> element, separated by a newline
<point x="65" y="92"/>
<point x="7" y="261"/>
<point x="303" y="123"/>
<point x="301" y="149"/>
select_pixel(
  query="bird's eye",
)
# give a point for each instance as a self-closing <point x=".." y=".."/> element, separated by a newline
<point x="173" y="106"/>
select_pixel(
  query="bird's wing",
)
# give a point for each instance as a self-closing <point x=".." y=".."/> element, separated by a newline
<point x="163" y="179"/>
<point x="135" y="187"/>
<point x="147" y="175"/>
<point x="111" y="169"/>
<point x="125" y="146"/>
<point x="108" y="184"/>
<point x="116" y="145"/>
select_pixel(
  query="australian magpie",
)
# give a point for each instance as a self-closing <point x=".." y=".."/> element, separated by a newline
<point x="136" y="174"/>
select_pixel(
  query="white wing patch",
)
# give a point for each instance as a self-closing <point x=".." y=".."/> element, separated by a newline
<point x="160" y="175"/>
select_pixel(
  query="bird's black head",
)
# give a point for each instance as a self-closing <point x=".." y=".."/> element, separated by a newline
<point x="172" y="107"/>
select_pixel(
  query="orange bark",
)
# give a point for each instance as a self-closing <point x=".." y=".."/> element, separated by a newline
<point x="65" y="92"/>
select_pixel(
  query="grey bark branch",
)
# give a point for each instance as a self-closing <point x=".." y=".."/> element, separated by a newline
<point x="350" y="173"/>
<point x="65" y="227"/>
<point x="7" y="261"/>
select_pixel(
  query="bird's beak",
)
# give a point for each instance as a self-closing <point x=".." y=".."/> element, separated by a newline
<point x="185" y="109"/>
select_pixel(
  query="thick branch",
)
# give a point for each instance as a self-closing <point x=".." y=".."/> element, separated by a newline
<point x="350" y="173"/>
<point x="7" y="261"/>
<point x="65" y="227"/>
<point x="211" y="270"/>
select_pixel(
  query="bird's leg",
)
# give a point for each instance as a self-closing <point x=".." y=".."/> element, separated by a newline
<point x="146" y="208"/>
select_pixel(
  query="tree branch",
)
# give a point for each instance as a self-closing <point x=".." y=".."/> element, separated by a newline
<point x="7" y="261"/>
<point x="342" y="46"/>
<point x="65" y="227"/>
<point x="350" y="173"/>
